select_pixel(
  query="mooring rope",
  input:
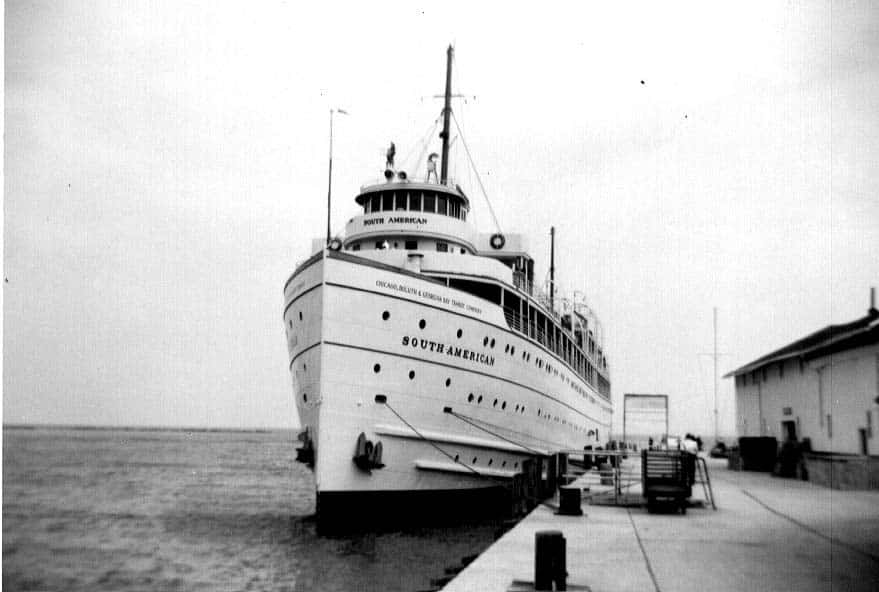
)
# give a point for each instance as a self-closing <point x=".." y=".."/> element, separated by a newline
<point x="465" y="419"/>
<point x="475" y="172"/>
<point x="425" y="144"/>
<point x="432" y="443"/>
<point x="504" y="482"/>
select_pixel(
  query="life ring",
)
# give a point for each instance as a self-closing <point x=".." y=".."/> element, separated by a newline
<point x="497" y="241"/>
<point x="335" y="245"/>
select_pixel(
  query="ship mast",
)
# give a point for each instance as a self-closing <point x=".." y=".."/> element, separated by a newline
<point x="447" y="113"/>
<point x="551" y="267"/>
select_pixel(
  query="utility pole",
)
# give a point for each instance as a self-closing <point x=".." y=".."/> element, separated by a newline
<point x="715" y="375"/>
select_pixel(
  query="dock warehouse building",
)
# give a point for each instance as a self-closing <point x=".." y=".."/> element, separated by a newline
<point x="823" y="387"/>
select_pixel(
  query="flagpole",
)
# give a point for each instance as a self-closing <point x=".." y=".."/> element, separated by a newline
<point x="330" y="180"/>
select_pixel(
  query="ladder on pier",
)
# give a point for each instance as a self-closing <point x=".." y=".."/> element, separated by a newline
<point x="703" y="478"/>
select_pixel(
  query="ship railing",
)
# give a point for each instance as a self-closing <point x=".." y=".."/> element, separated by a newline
<point x="522" y="283"/>
<point x="450" y="182"/>
<point x="518" y="323"/>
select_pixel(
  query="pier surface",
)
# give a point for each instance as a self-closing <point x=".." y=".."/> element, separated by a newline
<point x="767" y="534"/>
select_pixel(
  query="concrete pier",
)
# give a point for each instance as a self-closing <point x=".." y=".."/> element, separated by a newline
<point x="767" y="534"/>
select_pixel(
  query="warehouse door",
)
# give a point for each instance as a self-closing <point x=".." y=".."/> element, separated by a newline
<point x="789" y="429"/>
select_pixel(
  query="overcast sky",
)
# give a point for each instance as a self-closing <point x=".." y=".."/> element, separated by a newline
<point x="166" y="168"/>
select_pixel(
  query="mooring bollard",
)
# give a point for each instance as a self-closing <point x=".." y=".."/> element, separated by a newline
<point x="569" y="501"/>
<point x="549" y="560"/>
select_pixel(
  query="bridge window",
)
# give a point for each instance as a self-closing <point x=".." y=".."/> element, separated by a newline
<point x="441" y="205"/>
<point x="400" y="198"/>
<point x="387" y="201"/>
<point x="442" y="247"/>
<point x="429" y="202"/>
<point x="411" y="245"/>
<point x="415" y="201"/>
<point x="454" y="209"/>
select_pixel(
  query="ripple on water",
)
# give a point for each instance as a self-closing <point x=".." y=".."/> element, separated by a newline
<point x="124" y="510"/>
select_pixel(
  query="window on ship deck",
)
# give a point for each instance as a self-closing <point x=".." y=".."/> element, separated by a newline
<point x="429" y="202"/>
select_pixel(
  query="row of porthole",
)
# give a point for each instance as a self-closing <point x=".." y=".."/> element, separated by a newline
<point x="378" y="368"/>
<point x="290" y="321"/>
<point x="486" y="342"/>
<point x="471" y="397"/>
<point x="490" y="461"/>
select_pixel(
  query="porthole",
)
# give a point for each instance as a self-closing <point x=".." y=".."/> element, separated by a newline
<point x="507" y="348"/>
<point x="512" y="350"/>
<point x="479" y="400"/>
<point x="504" y="405"/>
<point x="494" y="404"/>
<point x="460" y="333"/>
<point x="538" y="413"/>
<point x="291" y="323"/>
<point x="516" y="465"/>
<point x="448" y="382"/>
<point x="470" y="398"/>
<point x="485" y="342"/>
<point x="522" y="410"/>
<point x="491" y="460"/>
<point x="386" y="315"/>
<point x="300" y="315"/>
<point x="457" y="456"/>
<point x="304" y="367"/>
<point x="377" y="368"/>
<point x="504" y="463"/>
<point x="304" y="397"/>
<point x="517" y="409"/>
<point x="422" y="324"/>
<point x="411" y="374"/>
<point x="492" y="343"/>
<point x="474" y="461"/>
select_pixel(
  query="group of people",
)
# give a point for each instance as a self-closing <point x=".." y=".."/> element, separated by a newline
<point x="690" y="443"/>
<point x="431" y="163"/>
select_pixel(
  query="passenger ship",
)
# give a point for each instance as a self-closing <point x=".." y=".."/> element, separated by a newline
<point x="426" y="364"/>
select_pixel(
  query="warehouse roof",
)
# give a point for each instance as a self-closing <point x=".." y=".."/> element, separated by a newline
<point x="830" y="339"/>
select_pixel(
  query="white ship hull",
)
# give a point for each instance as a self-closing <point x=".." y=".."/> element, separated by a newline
<point x="444" y="360"/>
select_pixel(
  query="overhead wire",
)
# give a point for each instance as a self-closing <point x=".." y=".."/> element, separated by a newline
<point x="476" y="173"/>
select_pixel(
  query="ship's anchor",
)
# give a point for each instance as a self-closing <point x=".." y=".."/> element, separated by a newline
<point x="367" y="455"/>
<point x="305" y="453"/>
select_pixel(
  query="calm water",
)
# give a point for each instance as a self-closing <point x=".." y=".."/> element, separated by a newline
<point x="165" y="510"/>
